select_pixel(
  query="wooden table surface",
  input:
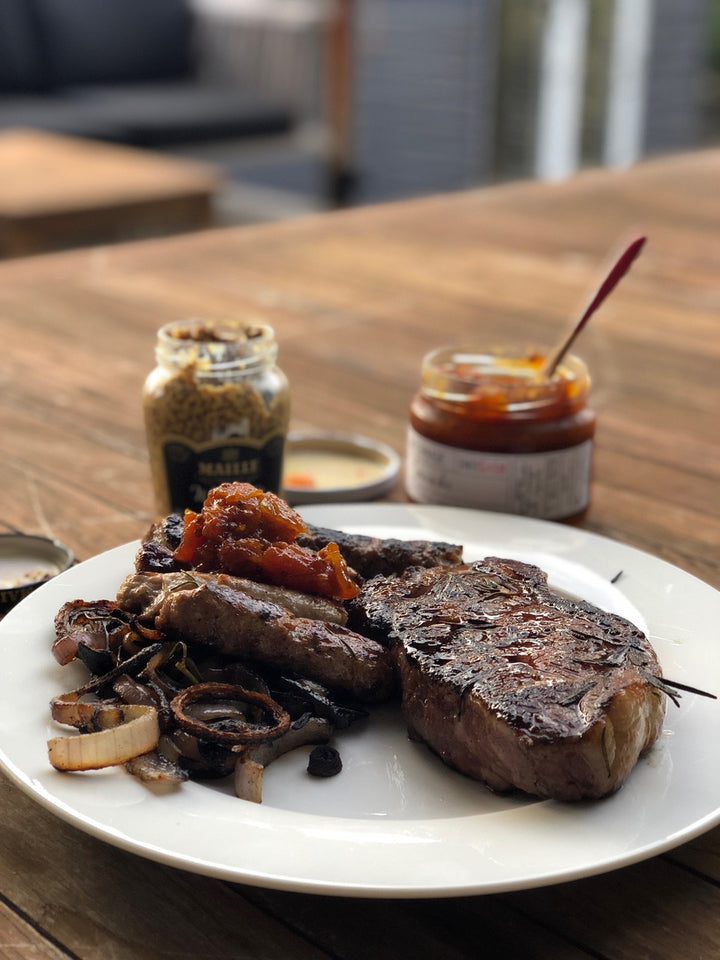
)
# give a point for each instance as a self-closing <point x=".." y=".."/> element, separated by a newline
<point x="58" y="191"/>
<point x="356" y="298"/>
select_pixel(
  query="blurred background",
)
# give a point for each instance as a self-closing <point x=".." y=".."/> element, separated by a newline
<point x="448" y="94"/>
<point x="305" y="105"/>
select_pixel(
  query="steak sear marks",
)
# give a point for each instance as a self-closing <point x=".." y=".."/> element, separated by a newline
<point x="514" y="684"/>
<point x="373" y="556"/>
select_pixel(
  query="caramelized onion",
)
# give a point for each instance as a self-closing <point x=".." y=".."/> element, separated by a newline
<point x="237" y="731"/>
<point x="118" y="733"/>
<point x="250" y="766"/>
<point x="97" y="624"/>
<point x="153" y="767"/>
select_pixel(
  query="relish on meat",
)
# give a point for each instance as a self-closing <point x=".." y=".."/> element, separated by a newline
<point x="244" y="531"/>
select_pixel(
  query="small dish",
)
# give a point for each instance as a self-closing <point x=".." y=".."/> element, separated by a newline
<point x="26" y="561"/>
<point x="325" y="467"/>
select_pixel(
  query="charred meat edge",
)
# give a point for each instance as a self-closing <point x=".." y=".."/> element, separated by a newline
<point x="515" y="685"/>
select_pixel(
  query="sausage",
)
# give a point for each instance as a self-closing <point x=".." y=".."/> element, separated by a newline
<point x="143" y="593"/>
<point x="242" y="626"/>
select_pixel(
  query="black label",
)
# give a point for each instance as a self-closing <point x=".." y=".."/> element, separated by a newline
<point x="193" y="471"/>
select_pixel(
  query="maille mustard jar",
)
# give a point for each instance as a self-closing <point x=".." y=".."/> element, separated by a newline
<point x="216" y="410"/>
<point x="489" y="430"/>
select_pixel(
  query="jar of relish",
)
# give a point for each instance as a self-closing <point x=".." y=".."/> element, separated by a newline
<point x="489" y="430"/>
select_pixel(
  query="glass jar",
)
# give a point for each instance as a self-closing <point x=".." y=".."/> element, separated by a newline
<point x="488" y="430"/>
<point x="216" y="409"/>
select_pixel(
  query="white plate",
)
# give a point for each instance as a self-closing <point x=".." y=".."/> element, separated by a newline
<point x="396" y="822"/>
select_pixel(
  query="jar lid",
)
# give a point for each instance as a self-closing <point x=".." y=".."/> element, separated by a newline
<point x="26" y="562"/>
<point x="324" y="467"/>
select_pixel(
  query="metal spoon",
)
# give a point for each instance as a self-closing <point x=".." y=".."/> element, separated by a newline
<point x="616" y="273"/>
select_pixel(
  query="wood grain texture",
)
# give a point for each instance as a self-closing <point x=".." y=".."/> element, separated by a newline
<point x="58" y="191"/>
<point x="99" y="901"/>
<point x="356" y="298"/>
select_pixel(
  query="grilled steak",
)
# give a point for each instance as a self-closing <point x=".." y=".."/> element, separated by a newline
<point x="373" y="556"/>
<point x="242" y="626"/>
<point x="516" y="685"/>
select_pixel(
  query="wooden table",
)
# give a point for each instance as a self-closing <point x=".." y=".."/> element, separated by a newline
<point x="356" y="298"/>
<point x="58" y="192"/>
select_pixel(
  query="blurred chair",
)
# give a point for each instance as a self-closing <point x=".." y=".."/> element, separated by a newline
<point x="299" y="52"/>
<point x="164" y="74"/>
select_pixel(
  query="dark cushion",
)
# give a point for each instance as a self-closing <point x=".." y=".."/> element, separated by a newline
<point x="169" y="114"/>
<point x="58" y="115"/>
<point x="20" y="63"/>
<point x="114" y="41"/>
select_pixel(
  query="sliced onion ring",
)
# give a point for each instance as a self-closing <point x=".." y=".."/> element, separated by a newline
<point x="251" y="763"/>
<point x="122" y="732"/>
<point x="244" y="733"/>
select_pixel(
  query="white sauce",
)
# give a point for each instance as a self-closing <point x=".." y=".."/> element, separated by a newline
<point x="328" y="470"/>
<point x="19" y="570"/>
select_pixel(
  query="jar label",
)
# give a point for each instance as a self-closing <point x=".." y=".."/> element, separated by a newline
<point x="194" y="469"/>
<point x="551" y="485"/>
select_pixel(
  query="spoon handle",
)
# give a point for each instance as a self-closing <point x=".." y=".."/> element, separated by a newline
<point x="615" y="275"/>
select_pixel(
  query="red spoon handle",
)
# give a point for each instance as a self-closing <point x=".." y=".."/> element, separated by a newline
<point x="617" y="272"/>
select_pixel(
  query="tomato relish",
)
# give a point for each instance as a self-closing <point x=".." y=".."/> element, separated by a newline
<point x="489" y="430"/>
<point x="248" y="532"/>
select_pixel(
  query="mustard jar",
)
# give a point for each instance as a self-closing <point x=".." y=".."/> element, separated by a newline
<point x="217" y="409"/>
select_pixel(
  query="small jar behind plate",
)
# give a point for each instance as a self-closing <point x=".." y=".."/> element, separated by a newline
<point x="487" y="430"/>
<point x="217" y="409"/>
